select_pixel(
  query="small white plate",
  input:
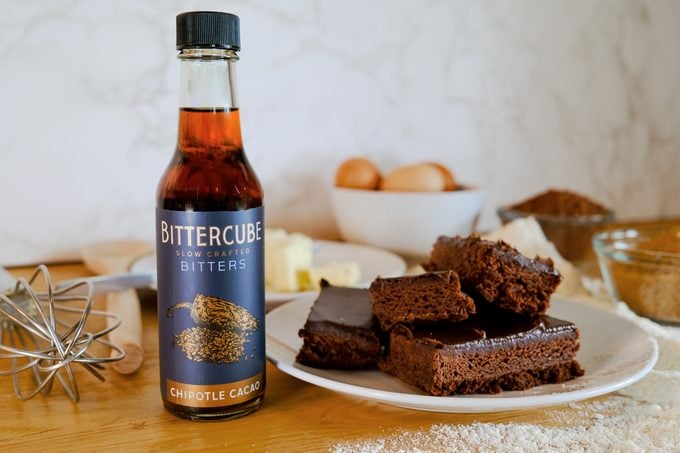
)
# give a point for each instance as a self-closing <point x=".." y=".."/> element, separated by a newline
<point x="372" y="262"/>
<point x="614" y="353"/>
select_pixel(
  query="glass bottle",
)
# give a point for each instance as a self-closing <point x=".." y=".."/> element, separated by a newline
<point x="210" y="238"/>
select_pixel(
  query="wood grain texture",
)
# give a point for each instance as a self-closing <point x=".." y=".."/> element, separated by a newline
<point x="126" y="413"/>
<point x="128" y="335"/>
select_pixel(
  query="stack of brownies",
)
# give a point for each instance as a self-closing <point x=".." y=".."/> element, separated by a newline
<point x="474" y="323"/>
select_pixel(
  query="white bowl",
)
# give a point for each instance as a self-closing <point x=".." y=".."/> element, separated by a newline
<point x="407" y="223"/>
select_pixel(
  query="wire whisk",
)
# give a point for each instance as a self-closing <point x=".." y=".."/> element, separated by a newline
<point x="35" y="341"/>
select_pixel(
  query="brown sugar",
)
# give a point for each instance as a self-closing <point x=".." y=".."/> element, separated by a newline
<point x="667" y="241"/>
<point x="560" y="203"/>
<point x="648" y="287"/>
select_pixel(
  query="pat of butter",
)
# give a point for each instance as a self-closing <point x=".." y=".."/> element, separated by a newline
<point x="284" y="256"/>
<point x="336" y="273"/>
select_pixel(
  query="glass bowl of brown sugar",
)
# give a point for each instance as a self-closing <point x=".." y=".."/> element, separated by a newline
<point x="568" y="219"/>
<point x="641" y="267"/>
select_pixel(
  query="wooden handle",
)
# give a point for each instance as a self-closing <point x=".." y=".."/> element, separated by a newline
<point x="128" y="336"/>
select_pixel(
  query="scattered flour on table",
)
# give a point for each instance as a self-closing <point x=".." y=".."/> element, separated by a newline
<point x="662" y="384"/>
<point x="617" y="424"/>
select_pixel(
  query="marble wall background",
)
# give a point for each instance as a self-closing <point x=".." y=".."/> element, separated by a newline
<point x="514" y="96"/>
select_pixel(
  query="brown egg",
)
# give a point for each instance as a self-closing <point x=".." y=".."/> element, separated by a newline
<point x="448" y="176"/>
<point x="358" y="173"/>
<point x="414" y="178"/>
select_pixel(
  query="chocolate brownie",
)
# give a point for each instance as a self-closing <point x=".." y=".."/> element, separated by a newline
<point x="341" y="331"/>
<point x="497" y="273"/>
<point x="429" y="297"/>
<point x="484" y="354"/>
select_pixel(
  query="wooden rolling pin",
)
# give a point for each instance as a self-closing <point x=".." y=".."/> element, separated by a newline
<point x="112" y="258"/>
<point x="127" y="336"/>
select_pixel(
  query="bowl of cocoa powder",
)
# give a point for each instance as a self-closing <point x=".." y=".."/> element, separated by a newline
<point x="568" y="219"/>
<point x="641" y="267"/>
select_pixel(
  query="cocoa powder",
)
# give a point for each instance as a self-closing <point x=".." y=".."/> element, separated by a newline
<point x="560" y="203"/>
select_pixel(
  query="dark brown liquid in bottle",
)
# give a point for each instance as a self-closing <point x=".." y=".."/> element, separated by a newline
<point x="210" y="172"/>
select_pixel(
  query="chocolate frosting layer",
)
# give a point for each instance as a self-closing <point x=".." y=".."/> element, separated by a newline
<point x="481" y="331"/>
<point x="344" y="306"/>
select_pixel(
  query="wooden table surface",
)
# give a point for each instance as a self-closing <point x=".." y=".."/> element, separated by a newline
<point x="125" y="412"/>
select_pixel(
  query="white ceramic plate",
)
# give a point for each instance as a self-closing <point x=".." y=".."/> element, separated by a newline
<point x="614" y="353"/>
<point x="372" y="262"/>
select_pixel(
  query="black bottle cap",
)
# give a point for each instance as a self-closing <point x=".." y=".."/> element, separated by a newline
<point x="208" y="30"/>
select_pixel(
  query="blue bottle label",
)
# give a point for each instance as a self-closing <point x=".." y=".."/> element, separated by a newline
<point x="211" y="306"/>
